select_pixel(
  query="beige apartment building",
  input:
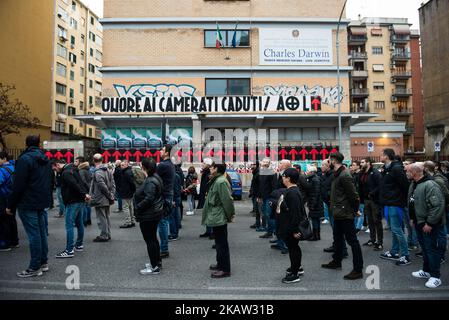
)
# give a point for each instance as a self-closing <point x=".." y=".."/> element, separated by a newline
<point x="166" y="49"/>
<point x="381" y="83"/>
<point x="53" y="57"/>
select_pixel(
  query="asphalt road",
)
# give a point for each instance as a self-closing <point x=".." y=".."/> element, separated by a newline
<point x="111" y="270"/>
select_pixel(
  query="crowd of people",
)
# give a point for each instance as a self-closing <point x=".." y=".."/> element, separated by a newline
<point x="289" y="206"/>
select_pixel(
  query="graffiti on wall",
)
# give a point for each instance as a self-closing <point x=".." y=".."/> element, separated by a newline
<point x="329" y="95"/>
<point x="155" y="90"/>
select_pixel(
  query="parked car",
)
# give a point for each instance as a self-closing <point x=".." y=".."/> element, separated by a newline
<point x="237" y="189"/>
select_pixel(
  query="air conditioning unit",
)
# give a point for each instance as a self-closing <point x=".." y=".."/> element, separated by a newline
<point x="72" y="63"/>
<point x="71" y="100"/>
<point x="62" y="38"/>
<point x="394" y="99"/>
<point x="72" y="46"/>
<point x="393" y="80"/>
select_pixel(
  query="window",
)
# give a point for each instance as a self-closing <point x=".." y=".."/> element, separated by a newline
<point x="91" y="68"/>
<point x="293" y="134"/>
<point x="327" y="133"/>
<point x="378" y="68"/>
<point x="92" y="20"/>
<point x="90" y="132"/>
<point x="73" y="5"/>
<point x="59" y="126"/>
<point x="82" y="55"/>
<point x="82" y="72"/>
<point x="241" y="37"/>
<point x="72" y="40"/>
<point x="92" y="36"/>
<point x="81" y="88"/>
<point x="91" y="84"/>
<point x="376" y="32"/>
<point x="60" y="107"/>
<point x="99" y="41"/>
<point x="378" y="50"/>
<point x="81" y="105"/>
<point x="61" y="89"/>
<point x="83" y="38"/>
<point x="72" y="75"/>
<point x="61" y="69"/>
<point x="91" y="52"/>
<point x="61" y="51"/>
<point x="62" y="33"/>
<point x="72" y="57"/>
<point x="98" y="55"/>
<point x="71" y="128"/>
<point x="310" y="133"/>
<point x="379" y="105"/>
<point x="73" y="23"/>
<point x="98" y="86"/>
<point x="223" y="87"/>
<point x="378" y="85"/>
<point x="91" y="100"/>
<point x="72" y="93"/>
<point x="97" y="71"/>
<point x="62" y="14"/>
<point x="83" y="22"/>
<point x="72" y="111"/>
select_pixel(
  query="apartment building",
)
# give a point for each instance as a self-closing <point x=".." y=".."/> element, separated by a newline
<point x="277" y="52"/>
<point x="381" y="82"/>
<point x="53" y="56"/>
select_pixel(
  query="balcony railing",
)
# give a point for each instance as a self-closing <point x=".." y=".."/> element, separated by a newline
<point x="358" y="55"/>
<point x="359" y="38"/>
<point x="360" y="92"/>
<point x="400" y="38"/>
<point x="401" y="56"/>
<point x="360" y="108"/>
<point x="409" y="130"/>
<point x="402" y="74"/>
<point x="359" y="73"/>
<point x="402" y="111"/>
<point x="402" y="92"/>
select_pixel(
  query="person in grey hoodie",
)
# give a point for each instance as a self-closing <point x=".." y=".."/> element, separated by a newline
<point x="86" y="177"/>
<point x="102" y="191"/>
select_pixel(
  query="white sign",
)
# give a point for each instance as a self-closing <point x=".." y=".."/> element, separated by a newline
<point x="301" y="46"/>
<point x="370" y="146"/>
<point x="437" y="146"/>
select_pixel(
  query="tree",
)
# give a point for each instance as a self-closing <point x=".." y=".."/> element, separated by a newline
<point x="14" y="115"/>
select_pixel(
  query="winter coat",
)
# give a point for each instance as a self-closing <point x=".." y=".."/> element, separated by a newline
<point x="177" y="186"/>
<point x="102" y="189"/>
<point x="344" y="200"/>
<point x="73" y="189"/>
<point x="369" y="185"/>
<point x="191" y="182"/>
<point x="426" y="202"/>
<point x="85" y="173"/>
<point x="326" y="183"/>
<point x="444" y="187"/>
<point x="266" y="183"/>
<point x="254" y="182"/>
<point x="31" y="188"/>
<point x="6" y="179"/>
<point x="219" y="206"/>
<point x="393" y="186"/>
<point x="127" y="187"/>
<point x="204" y="185"/>
<point x="117" y="177"/>
<point x="292" y="212"/>
<point x="149" y="200"/>
<point x="314" y="201"/>
<point x="166" y="170"/>
<point x="139" y="176"/>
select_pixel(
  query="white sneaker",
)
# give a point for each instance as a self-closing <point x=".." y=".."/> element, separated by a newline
<point x="150" y="271"/>
<point x="433" y="283"/>
<point x="421" y="274"/>
<point x="190" y="213"/>
<point x="325" y="221"/>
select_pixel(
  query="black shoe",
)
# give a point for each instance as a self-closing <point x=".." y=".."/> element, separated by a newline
<point x="291" y="278"/>
<point x="284" y="251"/>
<point x="254" y="226"/>
<point x="332" y="265"/>
<point x="419" y="254"/>
<point x="266" y="235"/>
<point x="369" y="244"/>
<point x="164" y="254"/>
<point x="345" y="255"/>
<point x="300" y="272"/>
<point x="353" y="275"/>
<point x="330" y="249"/>
<point x="100" y="239"/>
<point x="126" y="226"/>
<point x="212" y="237"/>
<point x="214" y="246"/>
<point x="276" y="247"/>
<point x="274" y="241"/>
<point x="378" y="247"/>
<point x="204" y="235"/>
<point x="213" y="267"/>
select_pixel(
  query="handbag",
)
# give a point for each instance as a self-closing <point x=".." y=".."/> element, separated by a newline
<point x="305" y="228"/>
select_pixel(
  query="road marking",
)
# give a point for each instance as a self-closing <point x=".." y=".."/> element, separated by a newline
<point x="259" y="288"/>
<point x="49" y="283"/>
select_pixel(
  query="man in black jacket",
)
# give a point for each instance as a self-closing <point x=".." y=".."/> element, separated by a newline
<point x="126" y="192"/>
<point x="267" y="184"/>
<point x="204" y="184"/>
<point x="31" y="196"/>
<point x="369" y="180"/>
<point x="74" y="194"/>
<point x="117" y="177"/>
<point x="255" y="177"/>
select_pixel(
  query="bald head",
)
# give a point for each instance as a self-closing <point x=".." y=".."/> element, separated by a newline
<point x="415" y="171"/>
<point x="325" y="165"/>
<point x="429" y="167"/>
<point x="284" y="165"/>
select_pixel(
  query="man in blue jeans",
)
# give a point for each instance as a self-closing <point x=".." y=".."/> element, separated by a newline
<point x="393" y="190"/>
<point x="31" y="195"/>
<point x="75" y="193"/>
<point x="166" y="170"/>
<point x="267" y="184"/>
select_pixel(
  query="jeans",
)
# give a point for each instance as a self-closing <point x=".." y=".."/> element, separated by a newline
<point x="447" y="221"/>
<point x="412" y="238"/>
<point x="432" y="249"/>
<point x="266" y="209"/>
<point x="396" y="221"/>
<point x="316" y="224"/>
<point x="191" y="201"/>
<point x="326" y="211"/>
<point x="443" y="240"/>
<point x="74" y="216"/>
<point x="61" y="203"/>
<point x="175" y="218"/>
<point x="294" y="252"/>
<point x="358" y="221"/>
<point x="255" y="206"/>
<point x="222" y="247"/>
<point x="149" y="232"/>
<point x="87" y="213"/>
<point x="261" y="220"/>
<point x="374" y="215"/>
<point x="163" y="229"/>
<point x="34" y="225"/>
<point x="344" y="229"/>
<point x="119" y="201"/>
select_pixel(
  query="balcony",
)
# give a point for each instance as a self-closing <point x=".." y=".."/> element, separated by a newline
<point x="402" y="92"/>
<point x="401" y="74"/>
<point x="357" y="39"/>
<point x="396" y="38"/>
<point x="401" y="56"/>
<point x="360" y="108"/>
<point x="360" y="74"/>
<point x="358" y="55"/>
<point x="402" y="112"/>
<point x="360" y="92"/>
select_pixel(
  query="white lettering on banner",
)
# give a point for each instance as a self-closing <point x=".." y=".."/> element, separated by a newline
<point x="254" y="104"/>
<point x="155" y="90"/>
<point x="329" y="95"/>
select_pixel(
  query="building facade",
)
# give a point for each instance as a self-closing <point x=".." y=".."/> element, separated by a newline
<point x="286" y="57"/>
<point x="54" y="60"/>
<point x="434" y="16"/>
<point x="380" y="52"/>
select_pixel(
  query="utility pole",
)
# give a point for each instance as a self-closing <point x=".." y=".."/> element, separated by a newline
<point x="338" y="76"/>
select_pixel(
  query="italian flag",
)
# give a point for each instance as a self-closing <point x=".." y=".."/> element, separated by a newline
<point x="219" y="39"/>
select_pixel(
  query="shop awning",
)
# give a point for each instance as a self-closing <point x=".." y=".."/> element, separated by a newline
<point x="358" y="31"/>
<point x="401" y="29"/>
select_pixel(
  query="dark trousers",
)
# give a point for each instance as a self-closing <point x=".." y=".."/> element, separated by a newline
<point x="345" y="229"/>
<point x="316" y="224"/>
<point x="376" y="229"/>
<point x="432" y="249"/>
<point x="8" y="228"/>
<point x="222" y="247"/>
<point x="294" y="252"/>
<point x="149" y="232"/>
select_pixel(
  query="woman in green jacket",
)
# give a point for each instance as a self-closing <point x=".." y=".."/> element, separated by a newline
<point x="218" y="211"/>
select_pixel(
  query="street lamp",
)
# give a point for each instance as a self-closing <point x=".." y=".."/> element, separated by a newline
<point x="338" y="74"/>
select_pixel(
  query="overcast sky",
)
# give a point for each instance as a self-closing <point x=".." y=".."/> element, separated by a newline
<point x="366" y="8"/>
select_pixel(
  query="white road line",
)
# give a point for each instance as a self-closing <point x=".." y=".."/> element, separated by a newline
<point x="48" y="283"/>
<point x="259" y="288"/>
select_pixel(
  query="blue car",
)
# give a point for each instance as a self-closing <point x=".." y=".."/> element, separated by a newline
<point x="237" y="189"/>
